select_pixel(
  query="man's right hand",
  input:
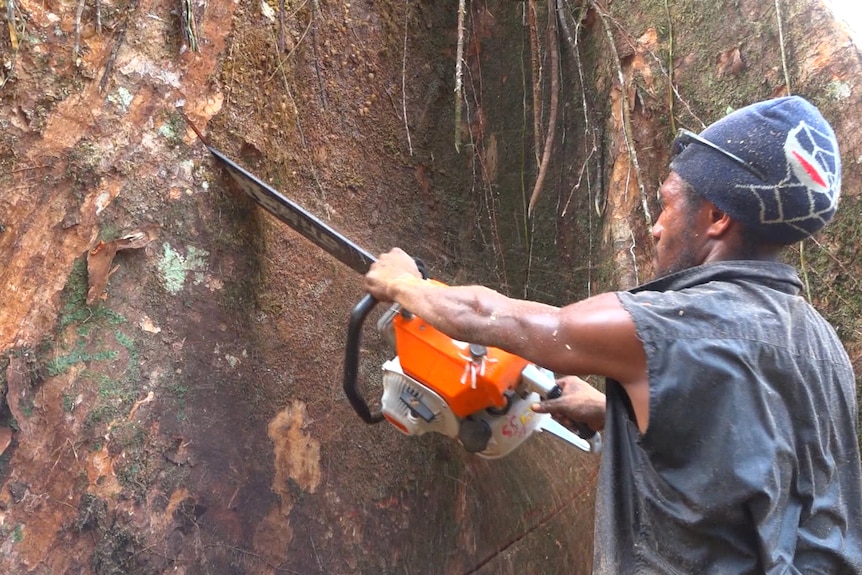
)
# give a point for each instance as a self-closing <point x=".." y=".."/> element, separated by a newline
<point x="580" y="403"/>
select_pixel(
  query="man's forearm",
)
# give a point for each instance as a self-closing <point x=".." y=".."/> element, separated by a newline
<point x="480" y="315"/>
<point x="465" y="313"/>
<point x="590" y="337"/>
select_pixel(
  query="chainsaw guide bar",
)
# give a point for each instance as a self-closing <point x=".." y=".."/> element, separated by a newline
<point x="292" y="214"/>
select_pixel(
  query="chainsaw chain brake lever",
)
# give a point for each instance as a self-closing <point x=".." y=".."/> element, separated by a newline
<point x="351" y="354"/>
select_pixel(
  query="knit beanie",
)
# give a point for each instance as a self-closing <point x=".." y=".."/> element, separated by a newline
<point x="791" y="186"/>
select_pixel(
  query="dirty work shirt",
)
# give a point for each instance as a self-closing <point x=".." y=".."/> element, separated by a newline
<point x="750" y="463"/>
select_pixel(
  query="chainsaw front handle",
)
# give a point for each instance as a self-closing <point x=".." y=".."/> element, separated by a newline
<point x="351" y="353"/>
<point x="351" y="361"/>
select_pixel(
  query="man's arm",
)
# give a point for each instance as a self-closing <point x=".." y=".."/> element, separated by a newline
<point x="595" y="336"/>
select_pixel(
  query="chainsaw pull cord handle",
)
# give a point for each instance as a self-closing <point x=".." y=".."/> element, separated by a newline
<point x="582" y="429"/>
<point x="351" y="354"/>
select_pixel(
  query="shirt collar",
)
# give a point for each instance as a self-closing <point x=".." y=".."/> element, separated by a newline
<point x="775" y="275"/>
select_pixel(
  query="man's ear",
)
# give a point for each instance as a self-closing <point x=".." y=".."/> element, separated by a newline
<point x="719" y="222"/>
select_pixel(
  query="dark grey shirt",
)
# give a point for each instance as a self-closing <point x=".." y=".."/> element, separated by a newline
<point x="751" y="460"/>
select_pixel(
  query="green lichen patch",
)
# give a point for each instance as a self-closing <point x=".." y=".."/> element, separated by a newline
<point x="173" y="129"/>
<point x="175" y="268"/>
<point x="62" y="363"/>
<point x="96" y="345"/>
<point x="74" y="309"/>
<point x="122" y="98"/>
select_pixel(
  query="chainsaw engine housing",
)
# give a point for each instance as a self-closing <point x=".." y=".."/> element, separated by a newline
<point x="468" y="392"/>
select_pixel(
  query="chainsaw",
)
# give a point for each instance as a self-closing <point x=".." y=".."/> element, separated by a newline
<point x="477" y="395"/>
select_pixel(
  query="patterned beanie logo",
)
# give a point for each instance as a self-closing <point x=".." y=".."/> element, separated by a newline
<point x="805" y="165"/>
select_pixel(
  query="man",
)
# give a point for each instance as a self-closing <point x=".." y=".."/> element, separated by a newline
<point x="730" y="407"/>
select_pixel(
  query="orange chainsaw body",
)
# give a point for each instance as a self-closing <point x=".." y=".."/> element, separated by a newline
<point x="445" y="365"/>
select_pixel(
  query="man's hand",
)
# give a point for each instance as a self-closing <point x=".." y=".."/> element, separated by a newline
<point x="580" y="403"/>
<point x="391" y="267"/>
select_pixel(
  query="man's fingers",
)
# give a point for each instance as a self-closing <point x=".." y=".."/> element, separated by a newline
<point x="562" y="410"/>
<point x="388" y="268"/>
<point x="566" y="422"/>
<point x="553" y="406"/>
<point x="548" y="405"/>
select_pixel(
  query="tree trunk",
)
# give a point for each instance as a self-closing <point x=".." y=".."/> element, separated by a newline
<point x="190" y="418"/>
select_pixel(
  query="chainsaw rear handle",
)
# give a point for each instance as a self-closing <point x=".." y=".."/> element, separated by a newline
<point x="351" y="354"/>
<point x="547" y="389"/>
<point x="581" y="428"/>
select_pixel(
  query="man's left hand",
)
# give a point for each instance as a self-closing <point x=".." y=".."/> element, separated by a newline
<point x="392" y="266"/>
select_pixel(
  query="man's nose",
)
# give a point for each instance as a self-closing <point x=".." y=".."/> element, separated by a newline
<point x="657" y="229"/>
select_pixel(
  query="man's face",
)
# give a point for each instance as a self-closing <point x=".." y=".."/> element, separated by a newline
<point x="677" y="232"/>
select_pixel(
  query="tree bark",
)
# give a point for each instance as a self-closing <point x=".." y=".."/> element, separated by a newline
<point x="191" y="419"/>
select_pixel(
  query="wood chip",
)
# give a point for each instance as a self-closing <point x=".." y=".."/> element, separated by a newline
<point x="101" y="257"/>
<point x="5" y="439"/>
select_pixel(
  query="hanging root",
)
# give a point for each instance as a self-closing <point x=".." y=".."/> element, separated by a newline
<point x="282" y="42"/>
<point x="670" y="88"/>
<point x="536" y="71"/>
<point x="115" y="50"/>
<point x="189" y="26"/>
<point x="281" y="71"/>
<point x="624" y="112"/>
<point x="462" y="9"/>
<point x="320" y="85"/>
<point x="76" y="49"/>
<point x="553" y="44"/>
<point x="404" y="84"/>
<point x="783" y="53"/>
